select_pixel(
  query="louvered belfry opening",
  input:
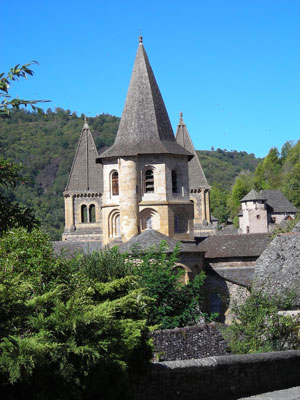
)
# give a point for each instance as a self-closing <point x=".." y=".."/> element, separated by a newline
<point x="149" y="181"/>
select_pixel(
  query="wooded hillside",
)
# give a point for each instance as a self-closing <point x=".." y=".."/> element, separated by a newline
<point x="45" y="145"/>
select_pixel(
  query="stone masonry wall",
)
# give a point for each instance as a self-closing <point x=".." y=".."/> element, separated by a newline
<point x="196" y="341"/>
<point x="227" y="377"/>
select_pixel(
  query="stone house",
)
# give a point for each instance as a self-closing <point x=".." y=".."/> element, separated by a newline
<point x="262" y="212"/>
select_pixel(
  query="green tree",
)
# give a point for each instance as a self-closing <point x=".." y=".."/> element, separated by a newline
<point x="218" y="203"/>
<point x="64" y="335"/>
<point x="267" y="174"/>
<point x="258" y="327"/>
<point x="243" y="185"/>
<point x="6" y="80"/>
<point x="291" y="175"/>
<point x="175" y="303"/>
<point x="11" y="213"/>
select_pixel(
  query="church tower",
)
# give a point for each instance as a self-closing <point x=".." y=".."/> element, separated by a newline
<point x="199" y="188"/>
<point x="145" y="171"/>
<point x="82" y="195"/>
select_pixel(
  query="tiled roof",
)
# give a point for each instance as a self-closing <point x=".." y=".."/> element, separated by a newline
<point x="145" y="127"/>
<point x="278" y="202"/>
<point x="197" y="178"/>
<point x="85" y="173"/>
<point x="223" y="246"/>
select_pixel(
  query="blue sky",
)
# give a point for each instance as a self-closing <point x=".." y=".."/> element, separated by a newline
<point x="231" y="66"/>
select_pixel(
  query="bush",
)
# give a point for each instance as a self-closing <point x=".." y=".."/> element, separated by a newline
<point x="258" y="327"/>
<point x="64" y="334"/>
<point x="176" y="304"/>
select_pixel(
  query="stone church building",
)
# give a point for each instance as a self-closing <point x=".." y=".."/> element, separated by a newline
<point x="148" y="179"/>
<point x="149" y="186"/>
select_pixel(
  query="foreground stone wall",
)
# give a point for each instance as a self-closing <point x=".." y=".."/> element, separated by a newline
<point x="218" y="378"/>
<point x="196" y="341"/>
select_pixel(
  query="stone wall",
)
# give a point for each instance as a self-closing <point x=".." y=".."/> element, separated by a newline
<point x="227" y="377"/>
<point x="196" y="341"/>
<point x="277" y="270"/>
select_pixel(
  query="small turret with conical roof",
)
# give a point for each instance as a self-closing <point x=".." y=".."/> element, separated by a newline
<point x="199" y="188"/>
<point x="83" y="192"/>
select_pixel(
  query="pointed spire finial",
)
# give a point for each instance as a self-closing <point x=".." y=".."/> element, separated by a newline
<point x="85" y="125"/>
<point x="181" y="115"/>
<point x="140" y="39"/>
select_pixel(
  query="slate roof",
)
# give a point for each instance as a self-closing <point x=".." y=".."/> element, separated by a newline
<point x="197" y="178"/>
<point x="70" y="248"/>
<point x="227" y="246"/>
<point x="145" y="127"/>
<point x="150" y="238"/>
<point x="85" y="173"/>
<point x="253" y="196"/>
<point x="278" y="202"/>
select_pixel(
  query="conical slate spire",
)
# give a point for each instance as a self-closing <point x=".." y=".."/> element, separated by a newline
<point x="197" y="178"/>
<point x="145" y="127"/>
<point x="85" y="174"/>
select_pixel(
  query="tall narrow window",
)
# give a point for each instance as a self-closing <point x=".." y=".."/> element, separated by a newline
<point x="149" y="181"/>
<point x="92" y="213"/>
<point x="117" y="226"/>
<point x="114" y="229"/>
<point x="115" y="183"/>
<point x="174" y="181"/>
<point x="84" y="213"/>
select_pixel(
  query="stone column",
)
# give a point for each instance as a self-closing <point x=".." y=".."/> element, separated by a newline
<point x="203" y="206"/>
<point x="128" y="198"/>
<point x="69" y="212"/>
<point x="207" y="205"/>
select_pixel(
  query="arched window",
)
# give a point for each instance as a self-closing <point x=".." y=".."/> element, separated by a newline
<point x="115" y="183"/>
<point x="149" y="181"/>
<point x="114" y="224"/>
<point x="84" y="213"/>
<point x="117" y="226"/>
<point x="174" y="181"/>
<point x="92" y="213"/>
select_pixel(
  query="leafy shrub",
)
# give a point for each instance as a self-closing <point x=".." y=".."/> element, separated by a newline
<point x="64" y="334"/>
<point x="258" y="327"/>
<point x="176" y="304"/>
